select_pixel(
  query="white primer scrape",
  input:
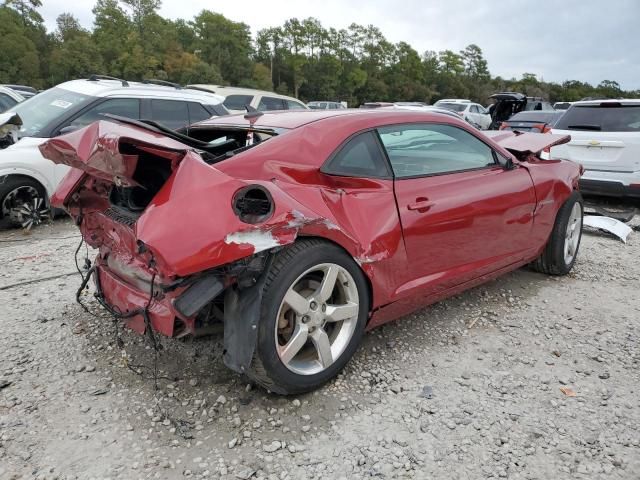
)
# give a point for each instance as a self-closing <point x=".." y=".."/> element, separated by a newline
<point x="260" y="239"/>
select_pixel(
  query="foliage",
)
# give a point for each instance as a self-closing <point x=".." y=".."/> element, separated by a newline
<point x="130" y="39"/>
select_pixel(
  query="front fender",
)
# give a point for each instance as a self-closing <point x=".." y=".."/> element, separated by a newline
<point x="6" y="172"/>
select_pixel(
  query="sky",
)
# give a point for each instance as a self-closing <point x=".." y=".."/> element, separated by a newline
<point x="586" y="40"/>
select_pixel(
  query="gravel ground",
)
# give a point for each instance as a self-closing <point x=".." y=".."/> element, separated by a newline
<point x="526" y="377"/>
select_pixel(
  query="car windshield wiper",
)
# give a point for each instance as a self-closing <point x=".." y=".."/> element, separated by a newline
<point x="585" y="127"/>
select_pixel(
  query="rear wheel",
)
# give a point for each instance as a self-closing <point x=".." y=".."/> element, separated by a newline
<point x="23" y="202"/>
<point x="315" y="306"/>
<point x="560" y="253"/>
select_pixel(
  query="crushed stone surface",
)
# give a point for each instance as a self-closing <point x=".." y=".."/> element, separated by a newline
<point x="526" y="377"/>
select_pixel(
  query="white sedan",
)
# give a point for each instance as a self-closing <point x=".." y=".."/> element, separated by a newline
<point x="474" y="113"/>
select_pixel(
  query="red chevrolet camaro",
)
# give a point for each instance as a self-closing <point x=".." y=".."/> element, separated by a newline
<point x="301" y="230"/>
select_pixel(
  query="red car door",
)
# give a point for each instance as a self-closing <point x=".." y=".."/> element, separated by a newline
<point x="463" y="215"/>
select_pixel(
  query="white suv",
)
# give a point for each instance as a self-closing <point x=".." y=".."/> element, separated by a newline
<point x="236" y="99"/>
<point x="605" y="139"/>
<point x="27" y="180"/>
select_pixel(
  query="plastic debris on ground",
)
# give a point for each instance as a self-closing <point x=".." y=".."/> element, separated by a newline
<point x="608" y="224"/>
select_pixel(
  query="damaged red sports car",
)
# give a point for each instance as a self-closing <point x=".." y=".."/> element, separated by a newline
<point x="301" y="230"/>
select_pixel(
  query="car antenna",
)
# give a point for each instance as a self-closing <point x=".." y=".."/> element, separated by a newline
<point x="252" y="113"/>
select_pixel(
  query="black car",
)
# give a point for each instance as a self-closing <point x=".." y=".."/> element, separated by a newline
<point x="507" y="104"/>
<point x="535" y="121"/>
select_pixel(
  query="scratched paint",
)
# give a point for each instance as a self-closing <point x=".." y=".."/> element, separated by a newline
<point x="261" y="240"/>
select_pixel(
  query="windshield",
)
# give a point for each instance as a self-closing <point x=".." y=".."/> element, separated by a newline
<point x="454" y="107"/>
<point x="39" y="111"/>
<point x="616" y="118"/>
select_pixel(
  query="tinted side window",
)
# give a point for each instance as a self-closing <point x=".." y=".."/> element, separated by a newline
<point x="359" y="157"/>
<point x="418" y="150"/>
<point x="197" y="113"/>
<point x="170" y="113"/>
<point x="291" y="105"/>
<point x="271" y="103"/>
<point x="124" y="107"/>
<point x="237" y="102"/>
<point x="6" y="102"/>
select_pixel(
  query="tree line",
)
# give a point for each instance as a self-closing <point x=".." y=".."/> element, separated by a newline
<point x="130" y="40"/>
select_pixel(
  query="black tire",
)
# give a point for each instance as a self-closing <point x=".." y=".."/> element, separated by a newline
<point x="552" y="260"/>
<point x="15" y="181"/>
<point x="266" y="367"/>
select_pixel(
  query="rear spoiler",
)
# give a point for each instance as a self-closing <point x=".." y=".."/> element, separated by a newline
<point x="524" y="144"/>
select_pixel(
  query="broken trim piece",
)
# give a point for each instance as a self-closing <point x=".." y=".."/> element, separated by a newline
<point x="608" y="224"/>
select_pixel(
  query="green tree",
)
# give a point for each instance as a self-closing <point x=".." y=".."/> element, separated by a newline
<point x="224" y="44"/>
<point x="68" y="27"/>
<point x="609" y="89"/>
<point x="141" y="12"/>
<point x="475" y="66"/>
<point x="76" y="56"/>
<point x="112" y="28"/>
<point x="27" y="10"/>
<point x="19" y="62"/>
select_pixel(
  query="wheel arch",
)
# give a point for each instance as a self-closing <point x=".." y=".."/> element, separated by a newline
<point x="30" y="174"/>
<point x="4" y="177"/>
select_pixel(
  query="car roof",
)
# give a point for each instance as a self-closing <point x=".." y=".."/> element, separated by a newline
<point x="454" y="100"/>
<point x="25" y="88"/>
<point x="226" y="91"/>
<point x="291" y="119"/>
<point x="16" y="95"/>
<point x="108" y="88"/>
<point x="623" y="101"/>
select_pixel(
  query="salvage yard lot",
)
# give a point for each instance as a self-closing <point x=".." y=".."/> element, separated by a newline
<point x="528" y="376"/>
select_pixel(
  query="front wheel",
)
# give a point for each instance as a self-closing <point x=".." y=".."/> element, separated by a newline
<point x="314" y="310"/>
<point x="23" y="202"/>
<point x="561" y="251"/>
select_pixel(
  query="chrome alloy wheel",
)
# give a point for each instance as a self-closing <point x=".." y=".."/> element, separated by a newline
<point x="24" y="206"/>
<point x="572" y="235"/>
<point x="317" y="318"/>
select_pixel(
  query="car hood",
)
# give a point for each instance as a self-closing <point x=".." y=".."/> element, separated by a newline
<point x="524" y="144"/>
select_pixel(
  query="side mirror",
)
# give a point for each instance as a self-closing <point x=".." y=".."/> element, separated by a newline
<point x="505" y="162"/>
<point x="68" y="129"/>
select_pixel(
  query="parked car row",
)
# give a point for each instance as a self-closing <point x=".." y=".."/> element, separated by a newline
<point x="27" y="180"/>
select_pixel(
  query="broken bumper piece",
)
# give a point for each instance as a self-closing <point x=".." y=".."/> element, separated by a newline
<point x="170" y="313"/>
